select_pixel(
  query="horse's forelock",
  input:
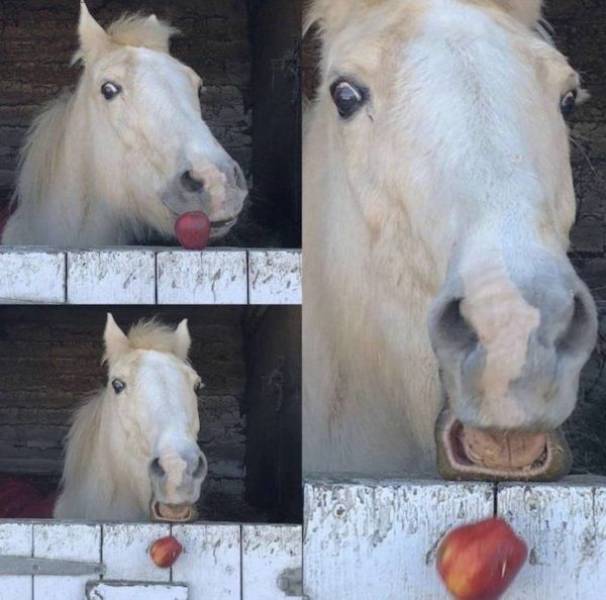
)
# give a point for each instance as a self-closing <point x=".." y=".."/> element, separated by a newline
<point x="143" y="32"/>
<point x="152" y="335"/>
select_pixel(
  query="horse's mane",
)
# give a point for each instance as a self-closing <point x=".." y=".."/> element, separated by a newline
<point x="41" y="149"/>
<point x="80" y="441"/>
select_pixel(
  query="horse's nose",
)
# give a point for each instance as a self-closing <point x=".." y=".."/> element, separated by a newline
<point x="196" y="467"/>
<point x="236" y="176"/>
<point x="192" y="182"/>
<point x="156" y="469"/>
<point x="199" y="468"/>
<point x="561" y="319"/>
<point x="510" y="352"/>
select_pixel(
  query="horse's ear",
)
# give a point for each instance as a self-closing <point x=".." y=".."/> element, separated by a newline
<point x="116" y="342"/>
<point x="528" y="12"/>
<point x="93" y="38"/>
<point x="182" y="340"/>
<point x="329" y="15"/>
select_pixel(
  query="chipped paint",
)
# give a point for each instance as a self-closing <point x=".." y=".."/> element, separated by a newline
<point x="275" y="277"/>
<point x="150" y="276"/>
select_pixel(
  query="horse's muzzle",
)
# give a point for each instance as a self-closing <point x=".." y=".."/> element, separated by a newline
<point x="173" y="513"/>
<point x="472" y="454"/>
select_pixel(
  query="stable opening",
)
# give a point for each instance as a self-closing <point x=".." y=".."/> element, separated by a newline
<point x="248" y="358"/>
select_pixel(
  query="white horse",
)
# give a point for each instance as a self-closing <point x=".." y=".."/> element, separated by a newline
<point x="132" y="451"/>
<point x="116" y="161"/>
<point x="438" y="200"/>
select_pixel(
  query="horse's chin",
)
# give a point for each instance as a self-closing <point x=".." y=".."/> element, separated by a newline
<point x="219" y="229"/>
<point x="465" y="453"/>
<point x="173" y="513"/>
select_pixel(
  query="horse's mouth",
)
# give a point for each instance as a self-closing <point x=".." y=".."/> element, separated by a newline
<point x="468" y="453"/>
<point x="173" y="513"/>
<point x="223" y="224"/>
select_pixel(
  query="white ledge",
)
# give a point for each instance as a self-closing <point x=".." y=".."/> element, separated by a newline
<point x="222" y="561"/>
<point x="369" y="539"/>
<point x="146" y="275"/>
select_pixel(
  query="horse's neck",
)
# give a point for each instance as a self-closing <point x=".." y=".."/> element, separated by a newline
<point x="98" y="484"/>
<point x="86" y="170"/>
<point x="57" y="188"/>
<point x="376" y="384"/>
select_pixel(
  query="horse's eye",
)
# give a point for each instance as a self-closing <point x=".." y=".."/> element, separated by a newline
<point x="198" y="388"/>
<point x="568" y="103"/>
<point x="118" y="385"/>
<point x="110" y="90"/>
<point x="348" y="97"/>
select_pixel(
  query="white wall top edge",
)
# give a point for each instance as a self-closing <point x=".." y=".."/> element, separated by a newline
<point x="150" y="275"/>
<point x="219" y="561"/>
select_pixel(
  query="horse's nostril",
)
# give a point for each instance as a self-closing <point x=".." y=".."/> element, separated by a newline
<point x="579" y="329"/>
<point x="190" y="183"/>
<point x="239" y="177"/>
<point x="201" y="468"/>
<point x="452" y="328"/>
<point x="156" y="468"/>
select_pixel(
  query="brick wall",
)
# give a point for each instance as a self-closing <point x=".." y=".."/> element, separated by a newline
<point x="38" y="38"/>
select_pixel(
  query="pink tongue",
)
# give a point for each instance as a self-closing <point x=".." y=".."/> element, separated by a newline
<point x="502" y="450"/>
<point x="192" y="229"/>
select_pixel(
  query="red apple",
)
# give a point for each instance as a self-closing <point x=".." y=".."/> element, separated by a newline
<point x="165" y="551"/>
<point x="193" y="230"/>
<point x="479" y="561"/>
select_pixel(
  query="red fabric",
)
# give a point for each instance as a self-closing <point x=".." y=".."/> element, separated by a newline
<point x="21" y="499"/>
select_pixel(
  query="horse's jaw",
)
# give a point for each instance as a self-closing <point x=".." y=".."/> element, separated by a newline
<point x="173" y="513"/>
<point x="537" y="457"/>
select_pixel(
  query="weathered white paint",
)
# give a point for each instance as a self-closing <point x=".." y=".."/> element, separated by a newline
<point x="210" y="277"/>
<point x="32" y="276"/>
<point x="363" y="540"/>
<point x="70" y="542"/>
<point x="111" y="277"/>
<point x="126" y="551"/>
<point x="269" y="557"/>
<point x="116" y="590"/>
<point x="210" y="563"/>
<point x="139" y="275"/>
<point x="370" y="540"/>
<point x="219" y="561"/>
<point x="274" y="277"/>
<point x="564" y="525"/>
<point x="15" y="540"/>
